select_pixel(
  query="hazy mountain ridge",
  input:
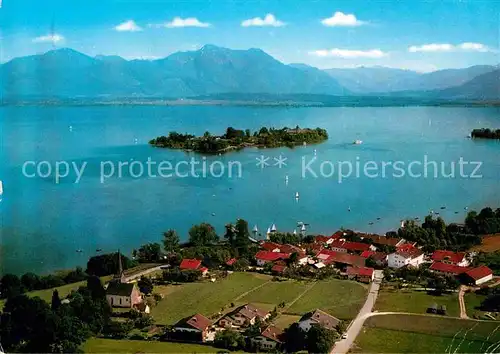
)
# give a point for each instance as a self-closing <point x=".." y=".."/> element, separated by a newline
<point x="383" y="79"/>
<point x="214" y="70"/>
<point x="67" y="73"/>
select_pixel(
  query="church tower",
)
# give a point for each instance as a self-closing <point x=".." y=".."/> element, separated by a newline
<point x="120" y="275"/>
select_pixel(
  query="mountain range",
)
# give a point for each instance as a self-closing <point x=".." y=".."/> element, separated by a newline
<point x="215" y="70"/>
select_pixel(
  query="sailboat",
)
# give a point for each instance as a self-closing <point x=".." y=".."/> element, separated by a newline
<point x="1" y="188"/>
<point x="273" y="228"/>
<point x="297" y="195"/>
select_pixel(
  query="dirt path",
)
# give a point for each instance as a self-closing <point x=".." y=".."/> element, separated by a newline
<point x="461" y="302"/>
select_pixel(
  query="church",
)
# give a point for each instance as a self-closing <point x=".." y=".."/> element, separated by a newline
<point x="119" y="293"/>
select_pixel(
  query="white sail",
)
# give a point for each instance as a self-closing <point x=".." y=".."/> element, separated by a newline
<point x="255" y="229"/>
<point x="273" y="228"/>
<point x="1" y="187"/>
<point x="303" y="228"/>
<point x="297" y="195"/>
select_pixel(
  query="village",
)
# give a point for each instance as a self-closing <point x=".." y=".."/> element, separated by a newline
<point x="255" y="325"/>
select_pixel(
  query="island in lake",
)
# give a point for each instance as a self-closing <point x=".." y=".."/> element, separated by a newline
<point x="485" y="133"/>
<point x="238" y="139"/>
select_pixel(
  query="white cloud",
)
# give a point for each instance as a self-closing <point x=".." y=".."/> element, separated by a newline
<point x="178" y="22"/>
<point x="447" y="47"/>
<point x="268" y="20"/>
<point x="128" y="26"/>
<point x="54" y="38"/>
<point x="342" y="19"/>
<point x="479" y="47"/>
<point x="348" y="53"/>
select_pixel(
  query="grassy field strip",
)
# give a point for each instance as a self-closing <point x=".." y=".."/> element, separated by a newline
<point x="101" y="345"/>
<point x="298" y="297"/>
<point x="203" y="297"/>
<point x="330" y="296"/>
<point x="249" y="291"/>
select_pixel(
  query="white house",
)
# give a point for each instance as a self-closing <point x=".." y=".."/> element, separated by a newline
<point x="411" y="256"/>
<point x="318" y="317"/>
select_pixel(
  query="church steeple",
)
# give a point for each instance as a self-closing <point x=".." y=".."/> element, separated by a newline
<point x="120" y="276"/>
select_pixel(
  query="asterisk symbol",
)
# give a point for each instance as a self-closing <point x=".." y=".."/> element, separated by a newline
<point x="280" y="161"/>
<point x="262" y="161"/>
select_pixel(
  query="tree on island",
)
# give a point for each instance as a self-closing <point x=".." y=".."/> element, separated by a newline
<point x="171" y="241"/>
<point x="202" y="235"/>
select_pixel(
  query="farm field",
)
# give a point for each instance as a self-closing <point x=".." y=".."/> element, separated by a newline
<point x="277" y="292"/>
<point x="340" y="298"/>
<point x="203" y="297"/>
<point x="425" y="334"/>
<point x="378" y="340"/>
<point x="490" y="243"/>
<point x="101" y="345"/>
<point x="415" y="302"/>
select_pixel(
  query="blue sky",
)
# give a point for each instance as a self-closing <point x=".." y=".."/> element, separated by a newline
<point x="416" y="35"/>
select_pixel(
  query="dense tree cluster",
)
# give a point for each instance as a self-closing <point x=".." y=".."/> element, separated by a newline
<point x="11" y="284"/>
<point x="106" y="264"/>
<point x="486" y="222"/>
<point x="435" y="234"/>
<point x="317" y="340"/>
<point x="285" y="238"/>
<point x="32" y="325"/>
<point x="235" y="138"/>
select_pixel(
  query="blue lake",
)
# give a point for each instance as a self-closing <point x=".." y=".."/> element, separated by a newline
<point x="44" y="222"/>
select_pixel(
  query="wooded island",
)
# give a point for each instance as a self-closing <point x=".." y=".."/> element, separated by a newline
<point x="235" y="139"/>
<point x="485" y="133"/>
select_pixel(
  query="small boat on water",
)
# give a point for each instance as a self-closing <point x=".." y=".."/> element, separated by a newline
<point x="357" y="142"/>
<point x="349" y="209"/>
<point x="370" y="223"/>
<point x="297" y="196"/>
<point x="443" y="207"/>
<point x="1" y="188"/>
<point x="79" y="251"/>
<point x="98" y="250"/>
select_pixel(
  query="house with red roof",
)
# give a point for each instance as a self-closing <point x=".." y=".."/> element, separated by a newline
<point x="447" y="269"/>
<point x="278" y="269"/>
<point x="271" y="338"/>
<point x="231" y="261"/>
<point x="352" y="247"/>
<point x="362" y="274"/>
<point x="193" y="264"/>
<point x="450" y="257"/>
<point x="270" y="246"/>
<point x="244" y="316"/>
<point x="406" y="255"/>
<point x="340" y="259"/>
<point x="194" y="328"/>
<point x="380" y="258"/>
<point x="478" y="275"/>
<point x="383" y="240"/>
<point x="263" y="257"/>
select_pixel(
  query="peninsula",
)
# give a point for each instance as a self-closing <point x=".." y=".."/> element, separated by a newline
<point x="485" y="133"/>
<point x="235" y="139"/>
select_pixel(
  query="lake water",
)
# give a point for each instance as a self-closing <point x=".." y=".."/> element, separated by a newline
<point x="44" y="222"/>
